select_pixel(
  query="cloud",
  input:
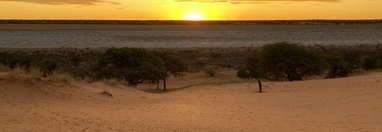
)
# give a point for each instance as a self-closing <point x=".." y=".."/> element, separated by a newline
<point x="252" y="1"/>
<point x="62" y="2"/>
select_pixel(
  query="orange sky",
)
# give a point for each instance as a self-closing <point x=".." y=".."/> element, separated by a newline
<point x="187" y="9"/>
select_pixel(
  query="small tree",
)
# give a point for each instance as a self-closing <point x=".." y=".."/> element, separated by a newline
<point x="130" y="64"/>
<point x="173" y="66"/>
<point x="284" y="60"/>
<point x="251" y="71"/>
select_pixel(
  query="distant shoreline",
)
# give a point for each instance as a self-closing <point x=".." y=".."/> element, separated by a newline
<point x="209" y="22"/>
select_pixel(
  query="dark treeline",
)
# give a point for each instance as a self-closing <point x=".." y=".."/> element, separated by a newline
<point x="183" y="22"/>
<point x="278" y="61"/>
<point x="79" y="62"/>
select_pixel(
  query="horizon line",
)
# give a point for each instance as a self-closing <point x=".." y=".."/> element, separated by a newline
<point x="43" y="19"/>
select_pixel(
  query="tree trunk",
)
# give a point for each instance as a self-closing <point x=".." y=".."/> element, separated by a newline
<point x="164" y="83"/>
<point x="158" y="85"/>
<point x="44" y="75"/>
<point x="290" y="77"/>
<point x="260" y="86"/>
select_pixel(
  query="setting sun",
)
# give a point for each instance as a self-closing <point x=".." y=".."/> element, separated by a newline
<point x="191" y="65"/>
<point x="194" y="17"/>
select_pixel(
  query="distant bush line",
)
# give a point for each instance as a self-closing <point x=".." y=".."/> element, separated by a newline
<point x="182" y="22"/>
<point x="290" y="61"/>
<point x="279" y="61"/>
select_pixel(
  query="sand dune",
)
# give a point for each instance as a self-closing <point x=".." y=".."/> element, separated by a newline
<point x="347" y="104"/>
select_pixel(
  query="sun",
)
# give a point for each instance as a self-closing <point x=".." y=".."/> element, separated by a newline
<point x="194" y="17"/>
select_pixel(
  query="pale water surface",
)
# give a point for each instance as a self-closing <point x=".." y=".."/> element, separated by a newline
<point x="42" y="36"/>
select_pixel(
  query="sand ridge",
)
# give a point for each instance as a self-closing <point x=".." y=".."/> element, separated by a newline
<point x="346" y="104"/>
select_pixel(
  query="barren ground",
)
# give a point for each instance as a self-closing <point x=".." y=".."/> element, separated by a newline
<point x="347" y="104"/>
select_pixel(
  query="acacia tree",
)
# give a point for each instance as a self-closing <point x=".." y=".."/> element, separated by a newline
<point x="173" y="66"/>
<point x="288" y="60"/>
<point x="282" y="60"/>
<point x="133" y="65"/>
<point x="251" y="71"/>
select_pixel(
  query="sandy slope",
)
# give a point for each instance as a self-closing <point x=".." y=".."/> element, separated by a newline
<point x="348" y="104"/>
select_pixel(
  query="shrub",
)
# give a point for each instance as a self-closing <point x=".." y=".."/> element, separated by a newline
<point x="210" y="70"/>
<point x="352" y="56"/>
<point x="336" y="65"/>
<point x="379" y="55"/>
<point x="15" y="60"/>
<point x="285" y="60"/>
<point x="244" y="73"/>
<point x="370" y="62"/>
<point x="130" y="64"/>
<point x="74" y="58"/>
<point x="251" y="68"/>
<point x="338" y="70"/>
<point x="78" y="72"/>
<point x="47" y="67"/>
<point x="59" y="77"/>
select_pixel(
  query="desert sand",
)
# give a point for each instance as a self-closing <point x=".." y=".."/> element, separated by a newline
<point x="352" y="104"/>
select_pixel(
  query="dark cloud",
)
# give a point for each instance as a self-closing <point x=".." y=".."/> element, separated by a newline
<point x="252" y="1"/>
<point x="61" y="2"/>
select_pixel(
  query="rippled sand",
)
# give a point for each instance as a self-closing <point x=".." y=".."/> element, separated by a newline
<point x="347" y="104"/>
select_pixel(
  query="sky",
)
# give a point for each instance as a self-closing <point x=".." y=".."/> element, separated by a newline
<point x="191" y="9"/>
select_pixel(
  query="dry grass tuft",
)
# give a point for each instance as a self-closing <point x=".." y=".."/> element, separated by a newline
<point x="106" y="93"/>
<point x="33" y="73"/>
<point x="59" y="77"/>
<point x="4" y="68"/>
<point x="19" y="72"/>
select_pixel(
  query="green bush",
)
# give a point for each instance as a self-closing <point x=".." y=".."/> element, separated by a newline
<point x="173" y="64"/>
<point x="210" y="70"/>
<point x="379" y="56"/>
<point x="251" y="69"/>
<point x="336" y="66"/>
<point x="284" y="60"/>
<point x="338" y="69"/>
<point x="16" y="59"/>
<point x="78" y="72"/>
<point x="370" y="62"/>
<point x="130" y="64"/>
<point x="244" y="73"/>
<point x="47" y="67"/>
<point x="353" y="57"/>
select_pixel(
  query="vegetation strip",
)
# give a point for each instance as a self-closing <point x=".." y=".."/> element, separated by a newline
<point x="277" y="61"/>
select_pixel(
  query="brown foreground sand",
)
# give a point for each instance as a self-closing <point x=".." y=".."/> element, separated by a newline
<point x="347" y="104"/>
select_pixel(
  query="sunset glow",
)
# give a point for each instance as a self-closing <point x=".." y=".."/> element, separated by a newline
<point x="191" y="9"/>
<point x="194" y="17"/>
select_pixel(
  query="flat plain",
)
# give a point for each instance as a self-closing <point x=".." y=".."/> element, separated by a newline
<point x="80" y="36"/>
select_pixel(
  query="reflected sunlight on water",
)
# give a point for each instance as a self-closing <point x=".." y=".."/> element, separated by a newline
<point x="27" y="36"/>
